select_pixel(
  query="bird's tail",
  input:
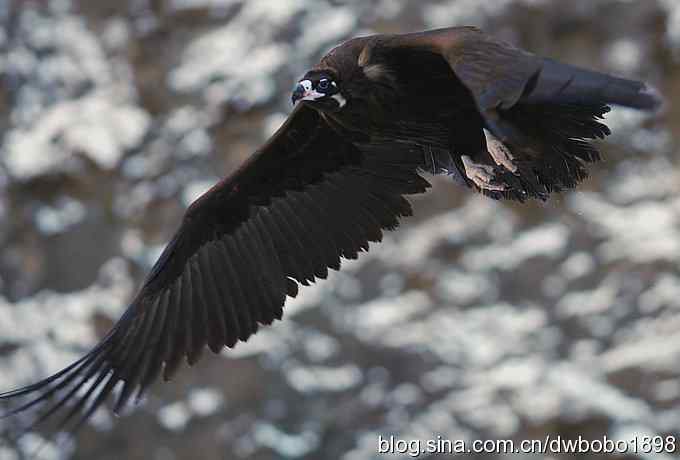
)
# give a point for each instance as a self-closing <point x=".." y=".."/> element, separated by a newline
<point x="548" y="131"/>
<point x="548" y="148"/>
<point x="558" y="137"/>
<point x="565" y="84"/>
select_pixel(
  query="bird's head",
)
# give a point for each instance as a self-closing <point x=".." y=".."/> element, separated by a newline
<point x="321" y="89"/>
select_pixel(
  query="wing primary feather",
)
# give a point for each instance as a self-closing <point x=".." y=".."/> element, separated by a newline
<point x="82" y="400"/>
<point x="350" y="207"/>
<point x="278" y="271"/>
<point x="278" y="250"/>
<point x="391" y="206"/>
<point x="46" y="382"/>
<point x="156" y="352"/>
<point x="338" y="242"/>
<point x="384" y="211"/>
<point x="270" y="271"/>
<point x="101" y="397"/>
<point x="244" y="306"/>
<point x="323" y="194"/>
<point x="188" y="310"/>
<point x="91" y="361"/>
<point x="67" y="398"/>
<point x="130" y="369"/>
<point x="90" y="369"/>
<point x="289" y="231"/>
<point x="240" y="326"/>
<point x="306" y="236"/>
<point x="286" y="245"/>
<point x="203" y="332"/>
<point x="250" y="277"/>
<point x="183" y="338"/>
<point x="323" y="234"/>
<point x="129" y="375"/>
<point x="99" y="354"/>
<point x="214" y="301"/>
<point x="253" y="249"/>
<point x="227" y="314"/>
<point x="173" y="339"/>
<point x="371" y="224"/>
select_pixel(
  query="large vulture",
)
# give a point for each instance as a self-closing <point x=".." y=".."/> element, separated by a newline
<point x="373" y="115"/>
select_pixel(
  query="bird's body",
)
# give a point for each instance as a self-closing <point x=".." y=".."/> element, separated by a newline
<point x="370" y="118"/>
<point x="470" y="101"/>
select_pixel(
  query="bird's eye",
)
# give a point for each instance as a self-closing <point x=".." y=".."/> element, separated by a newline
<point x="324" y="84"/>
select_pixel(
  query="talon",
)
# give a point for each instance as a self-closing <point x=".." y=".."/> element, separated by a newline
<point x="499" y="152"/>
<point x="482" y="175"/>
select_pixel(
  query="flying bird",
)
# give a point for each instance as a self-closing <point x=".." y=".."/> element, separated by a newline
<point x="369" y="120"/>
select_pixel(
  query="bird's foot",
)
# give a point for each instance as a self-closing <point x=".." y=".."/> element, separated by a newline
<point x="483" y="176"/>
<point x="499" y="152"/>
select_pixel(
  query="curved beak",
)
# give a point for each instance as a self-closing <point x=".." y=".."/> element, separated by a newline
<point x="298" y="93"/>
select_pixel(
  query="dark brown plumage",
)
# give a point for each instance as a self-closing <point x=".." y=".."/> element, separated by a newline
<point x="369" y="118"/>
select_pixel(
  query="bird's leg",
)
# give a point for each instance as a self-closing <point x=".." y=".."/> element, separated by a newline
<point x="499" y="152"/>
<point x="483" y="176"/>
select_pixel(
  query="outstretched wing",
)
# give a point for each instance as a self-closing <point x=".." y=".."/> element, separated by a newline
<point x="306" y="199"/>
<point x="538" y="113"/>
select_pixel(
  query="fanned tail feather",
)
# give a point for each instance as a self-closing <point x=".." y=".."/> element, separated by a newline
<point x="554" y="148"/>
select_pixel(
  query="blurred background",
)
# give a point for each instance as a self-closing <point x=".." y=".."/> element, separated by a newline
<point x="477" y="320"/>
